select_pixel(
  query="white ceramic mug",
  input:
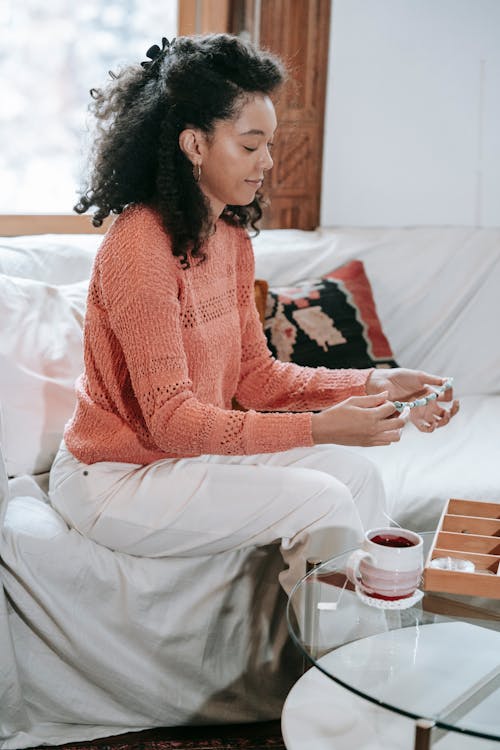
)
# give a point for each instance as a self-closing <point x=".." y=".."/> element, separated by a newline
<point x="389" y="564"/>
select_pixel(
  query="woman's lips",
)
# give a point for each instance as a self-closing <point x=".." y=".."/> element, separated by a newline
<point x="255" y="183"/>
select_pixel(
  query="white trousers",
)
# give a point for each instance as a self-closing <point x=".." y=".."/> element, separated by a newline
<point x="314" y="501"/>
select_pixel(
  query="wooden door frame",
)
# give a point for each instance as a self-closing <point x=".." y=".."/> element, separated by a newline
<point x="203" y="16"/>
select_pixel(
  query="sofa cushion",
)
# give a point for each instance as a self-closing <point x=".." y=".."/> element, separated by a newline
<point x="331" y="321"/>
<point x="53" y="258"/>
<point x="40" y="357"/>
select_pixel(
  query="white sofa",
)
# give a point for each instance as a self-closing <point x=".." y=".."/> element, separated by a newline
<point x="437" y="292"/>
<point x="213" y="647"/>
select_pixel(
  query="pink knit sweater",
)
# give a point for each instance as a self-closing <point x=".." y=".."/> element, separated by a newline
<point x="166" y="349"/>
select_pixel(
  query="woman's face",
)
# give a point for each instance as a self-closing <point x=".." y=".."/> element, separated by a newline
<point x="236" y="155"/>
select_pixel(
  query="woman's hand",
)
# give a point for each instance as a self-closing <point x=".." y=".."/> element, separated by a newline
<point x="402" y="384"/>
<point x="359" y="420"/>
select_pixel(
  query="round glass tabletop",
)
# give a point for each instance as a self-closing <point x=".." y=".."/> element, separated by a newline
<point x="437" y="660"/>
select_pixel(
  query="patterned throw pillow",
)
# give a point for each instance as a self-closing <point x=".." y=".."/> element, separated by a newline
<point x="330" y="321"/>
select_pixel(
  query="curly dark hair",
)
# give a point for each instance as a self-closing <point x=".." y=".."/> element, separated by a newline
<point x="136" y="158"/>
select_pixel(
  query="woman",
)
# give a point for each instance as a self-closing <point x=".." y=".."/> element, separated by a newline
<point x="155" y="461"/>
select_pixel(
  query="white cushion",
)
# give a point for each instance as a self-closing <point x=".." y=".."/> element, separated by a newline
<point x="41" y="355"/>
<point x="53" y="258"/>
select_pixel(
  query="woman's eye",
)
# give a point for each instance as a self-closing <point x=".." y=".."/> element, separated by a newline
<point x="247" y="148"/>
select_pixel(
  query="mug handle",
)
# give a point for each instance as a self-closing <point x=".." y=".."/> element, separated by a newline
<point x="352" y="565"/>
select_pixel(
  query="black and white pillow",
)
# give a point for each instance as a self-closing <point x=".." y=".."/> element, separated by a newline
<point x="331" y="321"/>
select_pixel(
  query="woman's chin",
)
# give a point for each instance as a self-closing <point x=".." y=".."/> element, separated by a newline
<point x="245" y="198"/>
<point x="242" y="202"/>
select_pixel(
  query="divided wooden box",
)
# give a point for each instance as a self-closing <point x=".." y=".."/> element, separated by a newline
<point x="469" y="530"/>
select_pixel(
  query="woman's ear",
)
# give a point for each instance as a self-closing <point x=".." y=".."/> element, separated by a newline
<point x="190" y="143"/>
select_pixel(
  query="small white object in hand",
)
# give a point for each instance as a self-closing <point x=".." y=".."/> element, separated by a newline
<point x="401" y="405"/>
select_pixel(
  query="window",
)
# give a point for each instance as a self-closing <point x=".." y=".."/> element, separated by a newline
<point x="51" y="55"/>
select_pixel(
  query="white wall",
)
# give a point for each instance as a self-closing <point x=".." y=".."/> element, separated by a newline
<point x="412" y="128"/>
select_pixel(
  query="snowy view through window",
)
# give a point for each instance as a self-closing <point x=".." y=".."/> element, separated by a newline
<point x="51" y="54"/>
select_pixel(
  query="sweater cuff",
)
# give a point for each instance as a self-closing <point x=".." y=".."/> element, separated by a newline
<point x="338" y="385"/>
<point x="273" y="432"/>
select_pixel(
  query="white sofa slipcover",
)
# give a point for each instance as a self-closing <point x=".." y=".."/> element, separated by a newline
<point x="95" y="643"/>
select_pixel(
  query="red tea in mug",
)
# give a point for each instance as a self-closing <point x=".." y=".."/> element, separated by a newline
<point x="392" y="540"/>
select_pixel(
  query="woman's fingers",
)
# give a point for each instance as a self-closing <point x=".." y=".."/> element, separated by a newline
<point x="391" y="436"/>
<point x="446" y="414"/>
<point x="439" y="413"/>
<point x="426" y="377"/>
<point x="446" y="395"/>
<point x="387" y="427"/>
<point x="424" y="426"/>
<point x="372" y="420"/>
<point x="372" y="401"/>
<point x="387" y="437"/>
<point x="392" y="423"/>
<point x="359" y="420"/>
<point x="436" y="416"/>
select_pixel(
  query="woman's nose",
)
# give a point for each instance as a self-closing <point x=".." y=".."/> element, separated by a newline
<point x="267" y="161"/>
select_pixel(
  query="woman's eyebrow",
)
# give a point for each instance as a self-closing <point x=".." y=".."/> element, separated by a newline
<point x="253" y="131"/>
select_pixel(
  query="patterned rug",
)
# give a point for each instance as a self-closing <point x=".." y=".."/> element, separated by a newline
<point x="261" y="736"/>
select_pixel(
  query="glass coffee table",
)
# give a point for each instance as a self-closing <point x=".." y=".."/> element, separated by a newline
<point x="391" y="678"/>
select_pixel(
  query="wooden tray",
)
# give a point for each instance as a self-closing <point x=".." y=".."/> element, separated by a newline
<point x="469" y="530"/>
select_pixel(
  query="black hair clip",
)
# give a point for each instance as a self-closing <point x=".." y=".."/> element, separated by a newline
<point x="156" y="54"/>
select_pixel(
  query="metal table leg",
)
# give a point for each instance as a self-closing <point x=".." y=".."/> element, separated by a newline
<point x="423" y="734"/>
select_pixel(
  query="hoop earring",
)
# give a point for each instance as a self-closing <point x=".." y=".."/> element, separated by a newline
<point x="197" y="173"/>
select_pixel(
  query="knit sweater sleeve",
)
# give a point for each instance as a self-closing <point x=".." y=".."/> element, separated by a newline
<point x="268" y="384"/>
<point x="144" y="309"/>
